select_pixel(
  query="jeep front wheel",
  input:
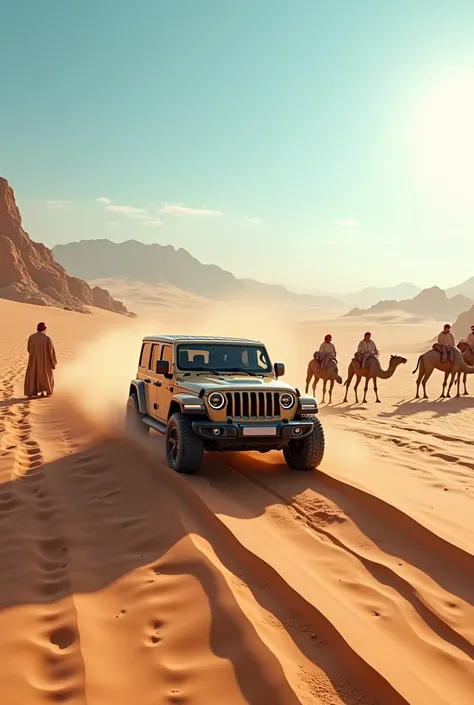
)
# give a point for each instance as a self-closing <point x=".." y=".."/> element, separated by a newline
<point x="183" y="448"/>
<point x="133" y="417"/>
<point x="307" y="453"/>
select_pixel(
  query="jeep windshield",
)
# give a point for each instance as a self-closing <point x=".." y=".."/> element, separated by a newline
<point x="222" y="357"/>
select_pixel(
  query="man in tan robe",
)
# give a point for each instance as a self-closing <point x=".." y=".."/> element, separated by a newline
<point x="326" y="352"/>
<point x="366" y="349"/>
<point x="470" y="338"/>
<point x="39" y="378"/>
<point x="445" y="345"/>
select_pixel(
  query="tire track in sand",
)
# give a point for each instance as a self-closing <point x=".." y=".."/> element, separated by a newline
<point x="362" y="595"/>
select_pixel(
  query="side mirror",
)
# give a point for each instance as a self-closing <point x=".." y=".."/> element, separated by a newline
<point x="162" y="367"/>
<point x="279" y="368"/>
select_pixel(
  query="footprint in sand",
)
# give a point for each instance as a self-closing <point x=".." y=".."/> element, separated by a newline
<point x="63" y="637"/>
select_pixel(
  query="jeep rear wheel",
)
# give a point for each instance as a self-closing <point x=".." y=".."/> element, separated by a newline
<point x="183" y="448"/>
<point x="134" y="417"/>
<point x="307" y="453"/>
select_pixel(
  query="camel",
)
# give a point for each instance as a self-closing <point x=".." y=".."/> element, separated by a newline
<point x="329" y="374"/>
<point x="372" y="371"/>
<point x="431" y="360"/>
<point x="468" y="356"/>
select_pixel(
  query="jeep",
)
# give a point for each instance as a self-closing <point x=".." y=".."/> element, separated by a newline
<point x="216" y="394"/>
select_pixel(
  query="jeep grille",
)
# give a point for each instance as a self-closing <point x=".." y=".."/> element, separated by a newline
<point x="253" y="405"/>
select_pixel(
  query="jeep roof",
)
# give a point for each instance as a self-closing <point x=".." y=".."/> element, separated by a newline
<point x="198" y="339"/>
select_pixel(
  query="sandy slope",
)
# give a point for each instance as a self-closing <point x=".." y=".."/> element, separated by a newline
<point x="123" y="582"/>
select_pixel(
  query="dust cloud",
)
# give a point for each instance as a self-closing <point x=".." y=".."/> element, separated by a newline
<point x="97" y="381"/>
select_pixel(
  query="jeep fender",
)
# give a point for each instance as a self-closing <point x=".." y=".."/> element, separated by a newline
<point x="138" y="388"/>
<point x="189" y="404"/>
<point x="307" y="405"/>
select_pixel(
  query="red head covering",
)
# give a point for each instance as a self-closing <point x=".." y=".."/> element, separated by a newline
<point x="41" y="326"/>
<point x="447" y="325"/>
<point x="328" y="337"/>
<point x="366" y="334"/>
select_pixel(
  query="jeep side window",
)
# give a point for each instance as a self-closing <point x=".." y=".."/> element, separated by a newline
<point x="155" y="356"/>
<point x="145" y="355"/>
<point x="167" y="354"/>
<point x="262" y="360"/>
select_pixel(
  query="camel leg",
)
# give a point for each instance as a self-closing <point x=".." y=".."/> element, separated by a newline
<point x="324" y="390"/>
<point x="355" y="389"/>
<point x="421" y="376"/>
<point x="331" y="387"/>
<point x="445" y="382"/>
<point x="315" y="384"/>
<point x="376" y="391"/>
<point x="366" y="388"/>
<point x="465" y="385"/>
<point x="458" y="393"/>
<point x="451" y="382"/>
<point x="309" y="376"/>
<point x="426" y="377"/>
<point x="418" y="382"/>
<point x="349" y="380"/>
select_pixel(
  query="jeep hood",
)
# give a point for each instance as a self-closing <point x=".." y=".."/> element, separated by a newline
<point x="235" y="382"/>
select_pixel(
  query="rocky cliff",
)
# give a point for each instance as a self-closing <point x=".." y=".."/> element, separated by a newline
<point x="462" y="326"/>
<point x="29" y="273"/>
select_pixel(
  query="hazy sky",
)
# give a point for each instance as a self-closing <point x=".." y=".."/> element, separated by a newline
<point x="324" y="144"/>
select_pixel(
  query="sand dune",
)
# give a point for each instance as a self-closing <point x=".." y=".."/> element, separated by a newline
<point x="123" y="582"/>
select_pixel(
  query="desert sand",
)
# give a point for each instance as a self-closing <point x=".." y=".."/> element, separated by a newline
<point x="122" y="582"/>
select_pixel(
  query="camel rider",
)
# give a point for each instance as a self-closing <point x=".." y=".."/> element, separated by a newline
<point x="470" y="338"/>
<point x="326" y="352"/>
<point x="446" y="344"/>
<point x="366" y="349"/>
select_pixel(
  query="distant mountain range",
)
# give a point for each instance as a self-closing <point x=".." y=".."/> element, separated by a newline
<point x="134" y="261"/>
<point x="466" y="289"/>
<point x="154" y="264"/>
<point x="371" y="295"/>
<point x="429" y="303"/>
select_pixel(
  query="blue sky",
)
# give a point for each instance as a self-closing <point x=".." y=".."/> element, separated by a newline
<point x="326" y="145"/>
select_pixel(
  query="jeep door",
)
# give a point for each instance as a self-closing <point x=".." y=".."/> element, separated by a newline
<point x="150" y="379"/>
<point x="165" y="386"/>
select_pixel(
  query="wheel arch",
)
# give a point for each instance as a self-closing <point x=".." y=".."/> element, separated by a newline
<point x="175" y="408"/>
<point x="187" y="404"/>
<point x="137" y="388"/>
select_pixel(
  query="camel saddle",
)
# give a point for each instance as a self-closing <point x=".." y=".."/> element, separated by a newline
<point x="361" y="359"/>
<point x="450" y="354"/>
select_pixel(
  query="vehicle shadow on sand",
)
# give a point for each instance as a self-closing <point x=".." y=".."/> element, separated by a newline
<point x="327" y="503"/>
<point x="103" y="512"/>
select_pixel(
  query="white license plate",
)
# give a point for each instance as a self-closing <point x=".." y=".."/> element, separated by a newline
<point x="259" y="431"/>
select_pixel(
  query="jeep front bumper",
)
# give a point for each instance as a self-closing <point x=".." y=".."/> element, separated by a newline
<point x="282" y="431"/>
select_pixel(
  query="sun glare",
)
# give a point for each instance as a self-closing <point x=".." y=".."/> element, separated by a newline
<point x="443" y="141"/>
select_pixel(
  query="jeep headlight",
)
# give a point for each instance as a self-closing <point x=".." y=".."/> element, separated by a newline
<point x="287" y="401"/>
<point x="216" y="400"/>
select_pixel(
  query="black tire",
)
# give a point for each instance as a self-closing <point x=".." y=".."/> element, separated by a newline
<point x="134" y="417"/>
<point x="308" y="453"/>
<point x="184" y="449"/>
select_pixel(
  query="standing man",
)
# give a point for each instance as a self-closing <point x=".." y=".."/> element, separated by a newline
<point x="39" y="378"/>
<point x="326" y="352"/>
<point x="470" y="338"/>
<point x="446" y="344"/>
